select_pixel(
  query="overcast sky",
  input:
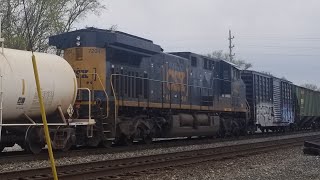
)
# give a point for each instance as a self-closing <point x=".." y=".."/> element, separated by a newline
<point x="277" y="36"/>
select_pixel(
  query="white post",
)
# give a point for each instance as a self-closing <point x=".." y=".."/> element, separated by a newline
<point x="1" y="91"/>
<point x="1" y="107"/>
<point x="1" y="39"/>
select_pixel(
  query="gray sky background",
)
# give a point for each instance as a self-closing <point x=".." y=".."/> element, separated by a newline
<point x="277" y="36"/>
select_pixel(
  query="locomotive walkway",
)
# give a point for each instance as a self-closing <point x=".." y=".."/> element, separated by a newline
<point x="134" y="167"/>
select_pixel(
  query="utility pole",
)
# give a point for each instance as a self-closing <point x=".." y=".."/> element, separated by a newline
<point x="231" y="46"/>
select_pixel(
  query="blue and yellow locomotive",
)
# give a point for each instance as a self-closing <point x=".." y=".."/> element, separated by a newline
<point x="135" y="91"/>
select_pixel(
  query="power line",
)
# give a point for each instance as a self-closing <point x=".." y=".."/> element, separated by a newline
<point x="281" y="54"/>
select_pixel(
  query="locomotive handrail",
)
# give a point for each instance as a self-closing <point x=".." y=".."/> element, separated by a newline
<point x="142" y="78"/>
<point x="89" y="119"/>
<point x="89" y="96"/>
<point x="103" y="88"/>
<point x="170" y="82"/>
<point x="115" y="104"/>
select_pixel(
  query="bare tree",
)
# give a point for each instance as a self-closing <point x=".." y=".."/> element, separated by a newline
<point x="310" y="86"/>
<point x="266" y="73"/>
<point x="114" y="27"/>
<point x="225" y="56"/>
<point x="44" y="17"/>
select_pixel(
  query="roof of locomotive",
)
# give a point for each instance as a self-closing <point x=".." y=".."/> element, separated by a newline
<point x="101" y="38"/>
<point x="203" y="56"/>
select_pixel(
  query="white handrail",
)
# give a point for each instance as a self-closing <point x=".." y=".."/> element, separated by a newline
<point x="103" y="88"/>
<point x="89" y="91"/>
<point x="1" y="105"/>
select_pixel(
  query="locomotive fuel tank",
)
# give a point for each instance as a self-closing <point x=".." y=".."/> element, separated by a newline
<point x="17" y="82"/>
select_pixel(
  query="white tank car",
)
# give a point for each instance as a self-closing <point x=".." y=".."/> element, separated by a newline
<point x="57" y="78"/>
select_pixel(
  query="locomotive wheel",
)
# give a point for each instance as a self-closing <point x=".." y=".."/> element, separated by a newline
<point x="68" y="145"/>
<point x="236" y="132"/>
<point x="94" y="141"/>
<point x="124" y="140"/>
<point x="33" y="142"/>
<point x="145" y="136"/>
<point x="105" y="143"/>
<point x="221" y="133"/>
<point x="128" y="141"/>
<point x="147" y="139"/>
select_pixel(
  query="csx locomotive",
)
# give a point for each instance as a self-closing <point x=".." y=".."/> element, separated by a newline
<point x="139" y="92"/>
<point x="127" y="89"/>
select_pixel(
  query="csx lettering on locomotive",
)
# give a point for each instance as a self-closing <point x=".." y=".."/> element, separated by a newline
<point x="81" y="73"/>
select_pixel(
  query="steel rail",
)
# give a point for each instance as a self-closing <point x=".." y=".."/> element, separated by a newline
<point x="125" y="168"/>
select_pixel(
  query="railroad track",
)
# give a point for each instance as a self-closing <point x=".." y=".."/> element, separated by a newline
<point x="133" y="167"/>
<point x="21" y="156"/>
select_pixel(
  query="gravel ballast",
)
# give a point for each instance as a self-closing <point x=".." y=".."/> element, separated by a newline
<point x="14" y="166"/>
<point x="277" y="165"/>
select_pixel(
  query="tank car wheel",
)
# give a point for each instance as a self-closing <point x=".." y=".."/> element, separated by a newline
<point x="33" y="141"/>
